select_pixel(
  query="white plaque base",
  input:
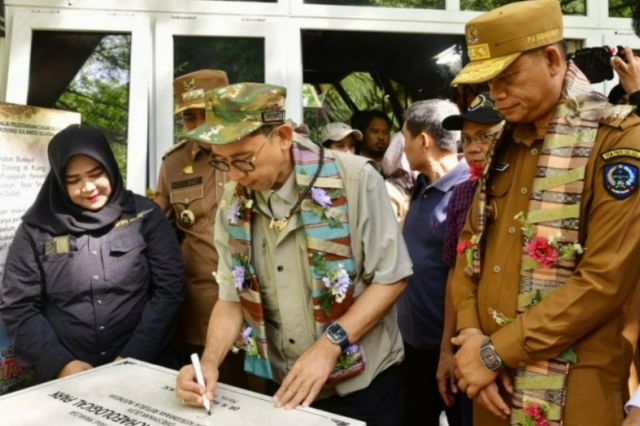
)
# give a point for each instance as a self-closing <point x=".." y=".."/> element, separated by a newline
<point x="135" y="393"/>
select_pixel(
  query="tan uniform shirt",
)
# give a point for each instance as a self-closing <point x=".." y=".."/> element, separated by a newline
<point x="282" y="266"/>
<point x="187" y="181"/>
<point x="587" y="311"/>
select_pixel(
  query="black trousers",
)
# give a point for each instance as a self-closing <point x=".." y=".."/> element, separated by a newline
<point x="422" y="399"/>
<point x="379" y="404"/>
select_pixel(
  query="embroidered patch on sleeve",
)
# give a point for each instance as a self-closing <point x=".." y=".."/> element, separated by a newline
<point x="621" y="152"/>
<point x="620" y="179"/>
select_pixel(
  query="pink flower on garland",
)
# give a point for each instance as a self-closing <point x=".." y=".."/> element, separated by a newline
<point x="535" y="415"/>
<point x="464" y="245"/>
<point x="542" y="252"/>
<point x="533" y="410"/>
<point x="476" y="169"/>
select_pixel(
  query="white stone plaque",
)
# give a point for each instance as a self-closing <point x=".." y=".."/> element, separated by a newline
<point x="135" y="393"/>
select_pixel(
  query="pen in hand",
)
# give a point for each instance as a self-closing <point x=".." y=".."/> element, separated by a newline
<point x="195" y="361"/>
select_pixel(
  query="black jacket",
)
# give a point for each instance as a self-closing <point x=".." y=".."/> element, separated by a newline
<point x="94" y="295"/>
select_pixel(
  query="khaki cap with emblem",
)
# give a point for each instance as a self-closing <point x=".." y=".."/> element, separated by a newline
<point x="235" y="111"/>
<point x="189" y="89"/>
<point x="497" y="38"/>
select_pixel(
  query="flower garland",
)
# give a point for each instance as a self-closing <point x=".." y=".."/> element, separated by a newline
<point x="240" y="271"/>
<point x="535" y="414"/>
<point x="545" y="251"/>
<point x="321" y="205"/>
<point x="335" y="279"/>
<point x="249" y="344"/>
<point x="468" y="248"/>
<point x="347" y="358"/>
<point x="237" y="207"/>
<point x="476" y="169"/>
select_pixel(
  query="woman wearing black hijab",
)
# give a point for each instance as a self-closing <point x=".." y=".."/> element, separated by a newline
<point x="94" y="272"/>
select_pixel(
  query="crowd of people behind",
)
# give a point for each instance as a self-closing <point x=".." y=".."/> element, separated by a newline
<point x="477" y="263"/>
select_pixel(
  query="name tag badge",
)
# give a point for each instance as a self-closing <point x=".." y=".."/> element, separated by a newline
<point x="57" y="245"/>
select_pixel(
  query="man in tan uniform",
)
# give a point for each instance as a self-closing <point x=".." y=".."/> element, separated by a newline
<point x="551" y="242"/>
<point x="308" y="264"/>
<point x="189" y="190"/>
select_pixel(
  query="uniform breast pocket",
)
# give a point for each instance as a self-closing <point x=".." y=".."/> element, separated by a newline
<point x="188" y="203"/>
<point x="127" y="262"/>
<point x="63" y="276"/>
<point x="500" y="182"/>
<point x="498" y="188"/>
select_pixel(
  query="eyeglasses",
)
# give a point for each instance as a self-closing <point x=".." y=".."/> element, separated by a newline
<point x="245" y="165"/>
<point x="483" y="139"/>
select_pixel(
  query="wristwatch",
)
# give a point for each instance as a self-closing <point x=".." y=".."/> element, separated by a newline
<point x="337" y="335"/>
<point x="489" y="356"/>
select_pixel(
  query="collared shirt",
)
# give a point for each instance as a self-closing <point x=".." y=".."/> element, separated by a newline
<point x="421" y="307"/>
<point x="101" y="296"/>
<point x="586" y="313"/>
<point x="457" y="210"/>
<point x="282" y="265"/>
<point x="187" y="182"/>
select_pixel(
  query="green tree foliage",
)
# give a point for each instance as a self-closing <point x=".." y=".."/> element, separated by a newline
<point x="417" y="4"/>
<point x="621" y="8"/>
<point x="242" y="58"/>
<point x="100" y="93"/>
<point x="569" y="7"/>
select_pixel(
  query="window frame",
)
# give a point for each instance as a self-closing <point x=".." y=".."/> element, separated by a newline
<point x="25" y="21"/>
<point x="271" y="29"/>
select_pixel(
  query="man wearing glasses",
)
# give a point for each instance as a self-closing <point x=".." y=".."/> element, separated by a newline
<point x="188" y="191"/>
<point x="480" y="124"/>
<point x="309" y="267"/>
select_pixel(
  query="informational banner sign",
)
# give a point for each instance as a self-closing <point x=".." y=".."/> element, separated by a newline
<point x="135" y="393"/>
<point x="24" y="134"/>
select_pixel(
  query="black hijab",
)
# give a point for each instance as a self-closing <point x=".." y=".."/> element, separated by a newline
<point x="53" y="211"/>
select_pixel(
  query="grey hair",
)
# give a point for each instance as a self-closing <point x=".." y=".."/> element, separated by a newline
<point x="427" y="116"/>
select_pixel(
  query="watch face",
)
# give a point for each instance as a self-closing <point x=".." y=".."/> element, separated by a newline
<point x="336" y="333"/>
<point x="490" y="358"/>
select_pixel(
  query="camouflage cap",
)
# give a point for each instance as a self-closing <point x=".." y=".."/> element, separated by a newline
<point x="497" y="38"/>
<point x="189" y="89"/>
<point x="234" y="111"/>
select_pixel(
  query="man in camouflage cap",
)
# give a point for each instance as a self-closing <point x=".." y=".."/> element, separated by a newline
<point x="188" y="191"/>
<point x="547" y="262"/>
<point x="294" y="225"/>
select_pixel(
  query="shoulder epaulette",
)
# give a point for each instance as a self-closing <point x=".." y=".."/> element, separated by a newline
<point x="175" y="147"/>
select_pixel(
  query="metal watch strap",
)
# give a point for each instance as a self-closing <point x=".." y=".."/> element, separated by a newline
<point x="489" y="356"/>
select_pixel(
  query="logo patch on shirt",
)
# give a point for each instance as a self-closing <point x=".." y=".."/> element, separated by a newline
<point x="620" y="179"/>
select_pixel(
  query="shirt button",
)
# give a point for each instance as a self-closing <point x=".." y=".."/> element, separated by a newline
<point x="96" y="277"/>
<point x="524" y="190"/>
<point x="101" y="327"/>
<point x="534" y="151"/>
<point x="94" y="252"/>
<point x="103" y="353"/>
<point x="293" y="342"/>
<point x="99" y="301"/>
<point x="280" y="268"/>
<point x="497" y="269"/>
<point x="512" y="229"/>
